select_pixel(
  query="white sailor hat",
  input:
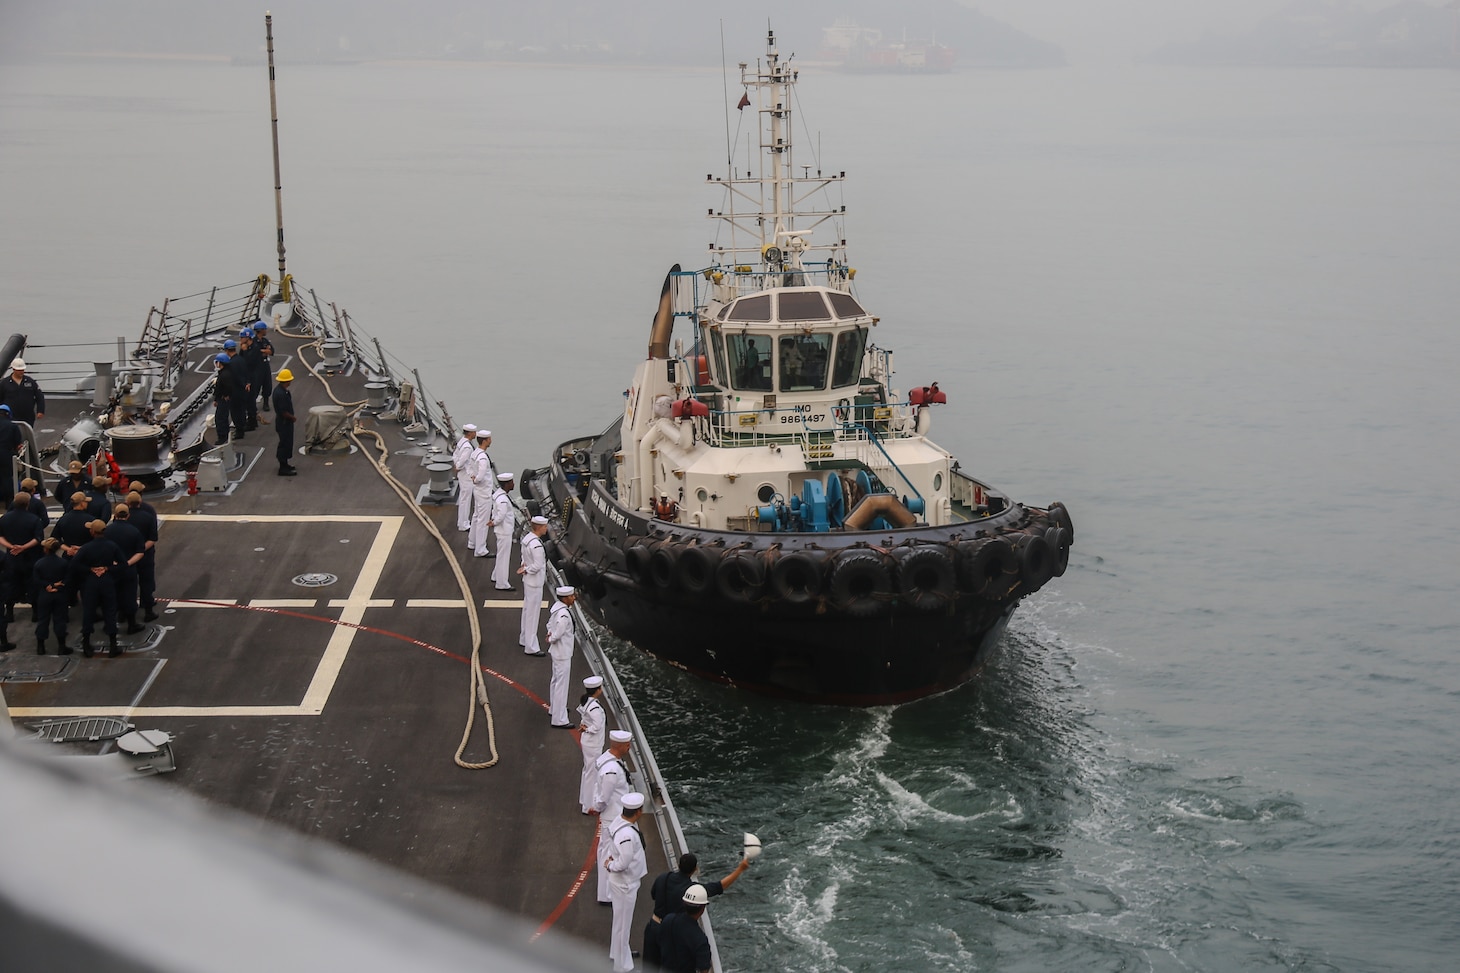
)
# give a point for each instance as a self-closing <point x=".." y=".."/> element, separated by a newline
<point x="619" y="736"/>
<point x="592" y="682"/>
<point x="484" y="434"/>
<point x="504" y="477"/>
<point x="542" y="521"/>
<point x="632" y="800"/>
<point x="564" y="590"/>
<point x="469" y="427"/>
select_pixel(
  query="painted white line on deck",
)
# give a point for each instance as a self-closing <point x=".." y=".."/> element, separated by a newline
<point x="362" y="603"/>
<point x="435" y="603"/>
<point x="215" y="603"/>
<point x="354" y="612"/>
<point x="283" y="602"/>
<point x="506" y="603"/>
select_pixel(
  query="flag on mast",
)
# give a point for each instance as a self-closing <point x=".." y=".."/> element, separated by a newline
<point x="744" y="100"/>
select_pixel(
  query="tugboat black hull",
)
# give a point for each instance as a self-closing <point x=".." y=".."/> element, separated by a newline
<point x="859" y="618"/>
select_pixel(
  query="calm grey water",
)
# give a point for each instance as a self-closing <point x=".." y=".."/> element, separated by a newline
<point x="1212" y="311"/>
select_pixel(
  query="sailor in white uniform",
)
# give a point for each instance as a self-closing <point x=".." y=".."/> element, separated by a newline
<point x="459" y="459"/>
<point x="592" y="724"/>
<point x="611" y="786"/>
<point x="626" y="867"/>
<point x="534" y="571"/>
<point x="502" y="520"/>
<point x="483" y="483"/>
<point x="560" y="648"/>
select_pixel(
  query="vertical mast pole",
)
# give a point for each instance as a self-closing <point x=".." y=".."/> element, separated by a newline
<point x="274" y="117"/>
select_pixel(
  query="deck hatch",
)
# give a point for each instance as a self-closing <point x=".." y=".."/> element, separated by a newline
<point x="81" y="729"/>
<point x="315" y="579"/>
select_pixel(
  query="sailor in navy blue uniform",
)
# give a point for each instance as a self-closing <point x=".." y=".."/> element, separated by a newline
<point x="52" y="612"/>
<point x="560" y="648"/>
<point x="534" y="573"/>
<point x="238" y="407"/>
<point x="224" y="389"/>
<point x="626" y="867"/>
<point x="668" y="893"/>
<point x="248" y="353"/>
<point x="76" y="479"/>
<point x="683" y="943"/>
<point x="98" y="499"/>
<point x="144" y="518"/>
<point x="133" y="547"/>
<point x="20" y="392"/>
<point x="20" y="539"/>
<point x="263" y="376"/>
<point x="91" y="571"/>
<point x="12" y="441"/>
<point x="284" y="422"/>
<point x="37" y="500"/>
<point x="73" y="528"/>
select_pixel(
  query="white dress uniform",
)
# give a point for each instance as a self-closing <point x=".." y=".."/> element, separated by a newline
<point x="591" y="740"/>
<point x="460" y="458"/>
<point x="611" y="786"/>
<point x="627" y="868"/>
<point x="534" y="560"/>
<point x="560" y="648"/>
<point x="502" y="521"/>
<point x="482" y="485"/>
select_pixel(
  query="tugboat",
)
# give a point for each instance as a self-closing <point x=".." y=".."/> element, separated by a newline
<point x="769" y="511"/>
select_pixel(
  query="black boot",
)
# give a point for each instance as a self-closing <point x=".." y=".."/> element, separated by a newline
<point x="86" y="648"/>
<point x="63" y="649"/>
<point x="132" y="627"/>
<point x="113" y="649"/>
<point x="149" y="615"/>
<point x="40" y="646"/>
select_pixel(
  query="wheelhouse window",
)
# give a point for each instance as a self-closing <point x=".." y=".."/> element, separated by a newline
<point x="803" y="306"/>
<point x="754" y="308"/>
<point x="845" y="305"/>
<point x="749" y="356"/>
<point x="803" y="359"/>
<point x="847" y="369"/>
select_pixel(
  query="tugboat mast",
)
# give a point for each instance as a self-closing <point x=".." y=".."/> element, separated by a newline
<point x="776" y="242"/>
<point x="274" y="117"/>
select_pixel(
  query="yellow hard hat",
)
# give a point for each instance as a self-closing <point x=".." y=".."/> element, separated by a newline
<point x="285" y="375"/>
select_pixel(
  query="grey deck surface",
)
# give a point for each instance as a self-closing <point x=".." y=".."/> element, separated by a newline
<point x="343" y="732"/>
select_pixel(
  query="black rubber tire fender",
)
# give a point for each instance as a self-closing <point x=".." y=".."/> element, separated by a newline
<point x="664" y="564"/>
<point x="1036" y="563"/>
<point x="1059" y="516"/>
<point x="987" y="567"/>
<point x="860" y="582"/>
<point x="1058" y="539"/>
<point x="740" y="576"/>
<point x="796" y="577"/>
<point x="926" y="580"/>
<point x="697" y="567"/>
<point x="636" y="559"/>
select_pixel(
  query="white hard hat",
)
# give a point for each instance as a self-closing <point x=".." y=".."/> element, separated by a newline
<point x="696" y="895"/>
<point x="17" y="364"/>
<point x="752" y="846"/>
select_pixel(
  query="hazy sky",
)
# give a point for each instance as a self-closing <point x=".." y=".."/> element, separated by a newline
<point x="1117" y="29"/>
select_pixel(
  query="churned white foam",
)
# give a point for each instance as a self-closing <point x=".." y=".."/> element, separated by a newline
<point x="911" y="806"/>
<point x="808" y="913"/>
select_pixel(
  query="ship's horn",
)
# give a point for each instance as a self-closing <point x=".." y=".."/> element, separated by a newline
<point x="663" y="325"/>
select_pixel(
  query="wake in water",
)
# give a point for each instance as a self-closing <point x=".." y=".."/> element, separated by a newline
<point x="1001" y="826"/>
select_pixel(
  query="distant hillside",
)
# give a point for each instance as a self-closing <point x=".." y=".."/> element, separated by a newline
<point x="637" y="31"/>
<point x="1335" y="33"/>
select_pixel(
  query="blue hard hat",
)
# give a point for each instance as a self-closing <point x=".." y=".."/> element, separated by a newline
<point x="4" y="406"/>
<point x="220" y="357"/>
<point x="230" y="344"/>
<point x="261" y="326"/>
<point x="246" y="333"/>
